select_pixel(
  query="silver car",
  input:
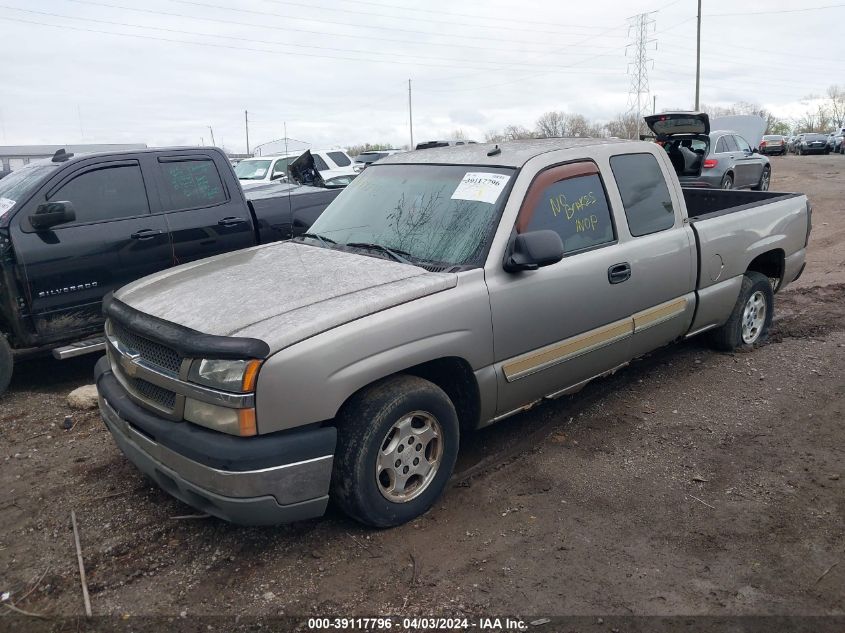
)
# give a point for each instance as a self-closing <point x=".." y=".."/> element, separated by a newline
<point x="719" y="160"/>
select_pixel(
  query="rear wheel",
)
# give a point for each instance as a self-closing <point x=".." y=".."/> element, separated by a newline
<point x="765" y="180"/>
<point x="751" y="317"/>
<point x="727" y="182"/>
<point x="7" y="362"/>
<point x="396" y="448"/>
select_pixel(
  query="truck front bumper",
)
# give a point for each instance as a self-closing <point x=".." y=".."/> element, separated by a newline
<point x="266" y="480"/>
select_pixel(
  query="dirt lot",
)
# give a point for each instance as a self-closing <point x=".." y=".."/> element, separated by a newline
<point x="692" y="482"/>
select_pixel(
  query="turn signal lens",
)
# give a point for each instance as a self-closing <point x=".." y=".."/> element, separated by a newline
<point x="246" y="422"/>
<point x="250" y="375"/>
<point x="710" y="163"/>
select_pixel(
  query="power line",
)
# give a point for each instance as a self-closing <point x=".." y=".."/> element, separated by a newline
<point x="805" y="9"/>
<point x="268" y="42"/>
<point x="347" y="24"/>
<point x="382" y="60"/>
<point x="356" y="36"/>
<point x="473" y="24"/>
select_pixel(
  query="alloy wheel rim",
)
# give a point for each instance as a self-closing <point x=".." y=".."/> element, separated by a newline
<point x="409" y="457"/>
<point x="766" y="179"/>
<point x="753" y="318"/>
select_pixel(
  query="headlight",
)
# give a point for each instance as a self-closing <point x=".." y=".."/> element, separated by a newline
<point x="228" y="375"/>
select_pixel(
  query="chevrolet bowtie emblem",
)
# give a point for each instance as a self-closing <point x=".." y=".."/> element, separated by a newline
<point x="127" y="362"/>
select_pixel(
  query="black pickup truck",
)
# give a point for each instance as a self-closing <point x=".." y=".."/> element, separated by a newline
<point x="77" y="227"/>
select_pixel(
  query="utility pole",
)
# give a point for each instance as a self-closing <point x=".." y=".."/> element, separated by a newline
<point x="698" y="59"/>
<point x="212" y="136"/>
<point x="410" y="114"/>
<point x="654" y="105"/>
<point x="246" y="126"/>
<point x="639" y="27"/>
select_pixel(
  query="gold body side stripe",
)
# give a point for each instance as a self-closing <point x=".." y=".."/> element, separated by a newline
<point x="573" y="347"/>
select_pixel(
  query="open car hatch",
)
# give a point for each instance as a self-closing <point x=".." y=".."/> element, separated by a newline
<point x="685" y="137"/>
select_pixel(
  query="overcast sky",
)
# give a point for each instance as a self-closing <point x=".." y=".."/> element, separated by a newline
<point x="336" y="71"/>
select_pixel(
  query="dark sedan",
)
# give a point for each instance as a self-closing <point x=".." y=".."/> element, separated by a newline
<point x="813" y="144"/>
<point x="773" y="144"/>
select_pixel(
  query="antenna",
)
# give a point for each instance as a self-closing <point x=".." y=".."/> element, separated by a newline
<point x="639" y="26"/>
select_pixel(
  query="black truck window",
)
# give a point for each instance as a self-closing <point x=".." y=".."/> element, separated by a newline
<point x="645" y="196"/>
<point x="190" y="184"/>
<point x="105" y="194"/>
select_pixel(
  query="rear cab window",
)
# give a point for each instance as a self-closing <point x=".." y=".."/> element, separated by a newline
<point x="191" y="183"/>
<point x="571" y="201"/>
<point x="645" y="197"/>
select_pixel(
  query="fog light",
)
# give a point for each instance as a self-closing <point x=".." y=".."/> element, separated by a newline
<point x="232" y="421"/>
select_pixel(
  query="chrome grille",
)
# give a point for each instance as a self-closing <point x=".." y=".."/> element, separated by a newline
<point x="150" y="351"/>
<point x="158" y="395"/>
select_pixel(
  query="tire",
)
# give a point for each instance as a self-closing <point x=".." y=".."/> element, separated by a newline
<point x="386" y="415"/>
<point x="727" y="182"/>
<point x="7" y="363"/>
<point x="756" y="294"/>
<point x="765" y="180"/>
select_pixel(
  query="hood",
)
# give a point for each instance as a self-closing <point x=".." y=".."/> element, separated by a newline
<point x="280" y="293"/>
<point x="751" y="127"/>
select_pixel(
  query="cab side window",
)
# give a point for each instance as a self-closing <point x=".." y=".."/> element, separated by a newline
<point x="721" y="146"/>
<point x="645" y="196"/>
<point x="574" y="207"/>
<point x="107" y="193"/>
<point x="190" y="184"/>
<point x="742" y="144"/>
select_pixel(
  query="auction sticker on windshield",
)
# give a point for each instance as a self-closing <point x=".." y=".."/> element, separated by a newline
<point x="5" y="205"/>
<point x="480" y="186"/>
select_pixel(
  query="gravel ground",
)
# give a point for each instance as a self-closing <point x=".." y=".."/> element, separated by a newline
<point x="692" y="482"/>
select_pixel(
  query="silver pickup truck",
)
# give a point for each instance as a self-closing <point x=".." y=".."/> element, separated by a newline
<point x="443" y="290"/>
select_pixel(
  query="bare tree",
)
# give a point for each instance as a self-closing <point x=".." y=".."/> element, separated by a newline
<point x="623" y="126"/>
<point x="552" y="124"/>
<point x="517" y="132"/>
<point x="836" y="97"/>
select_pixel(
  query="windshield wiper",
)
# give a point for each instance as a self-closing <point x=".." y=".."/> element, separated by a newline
<point x="397" y="255"/>
<point x="324" y="241"/>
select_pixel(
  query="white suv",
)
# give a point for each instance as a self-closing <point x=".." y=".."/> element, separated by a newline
<point x="264" y="169"/>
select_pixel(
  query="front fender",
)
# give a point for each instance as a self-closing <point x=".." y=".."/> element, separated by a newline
<point x="308" y="382"/>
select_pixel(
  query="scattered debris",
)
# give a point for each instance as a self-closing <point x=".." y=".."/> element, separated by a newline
<point x="183" y="517"/>
<point x="826" y="572"/>
<point x="704" y="502"/>
<point x="85" y="596"/>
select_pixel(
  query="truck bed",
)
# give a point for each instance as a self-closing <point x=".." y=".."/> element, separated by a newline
<point x="703" y="204"/>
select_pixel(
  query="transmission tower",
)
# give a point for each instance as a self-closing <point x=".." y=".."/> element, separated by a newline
<point x="640" y="27"/>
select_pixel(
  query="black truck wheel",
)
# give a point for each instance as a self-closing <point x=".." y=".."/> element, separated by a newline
<point x="396" y="447"/>
<point x="7" y="362"/>
<point x="751" y="317"/>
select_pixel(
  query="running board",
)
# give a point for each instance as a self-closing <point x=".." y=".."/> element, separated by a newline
<point x="78" y="349"/>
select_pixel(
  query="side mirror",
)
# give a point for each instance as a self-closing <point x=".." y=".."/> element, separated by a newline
<point x="50" y="214"/>
<point x="279" y="175"/>
<point x="534" y="250"/>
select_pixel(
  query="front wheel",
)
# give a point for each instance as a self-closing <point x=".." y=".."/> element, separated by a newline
<point x="396" y="447"/>
<point x="751" y="317"/>
<point x="765" y="180"/>
<point x="7" y="362"/>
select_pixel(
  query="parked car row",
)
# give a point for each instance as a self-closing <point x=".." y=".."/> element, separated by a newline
<point x="77" y="227"/>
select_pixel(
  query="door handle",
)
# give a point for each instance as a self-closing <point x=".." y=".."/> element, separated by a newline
<point x="231" y="221"/>
<point x="618" y="273"/>
<point x="146" y="234"/>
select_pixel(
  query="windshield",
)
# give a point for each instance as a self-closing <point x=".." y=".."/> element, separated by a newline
<point x="438" y="214"/>
<point x="21" y="182"/>
<point x="252" y="169"/>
